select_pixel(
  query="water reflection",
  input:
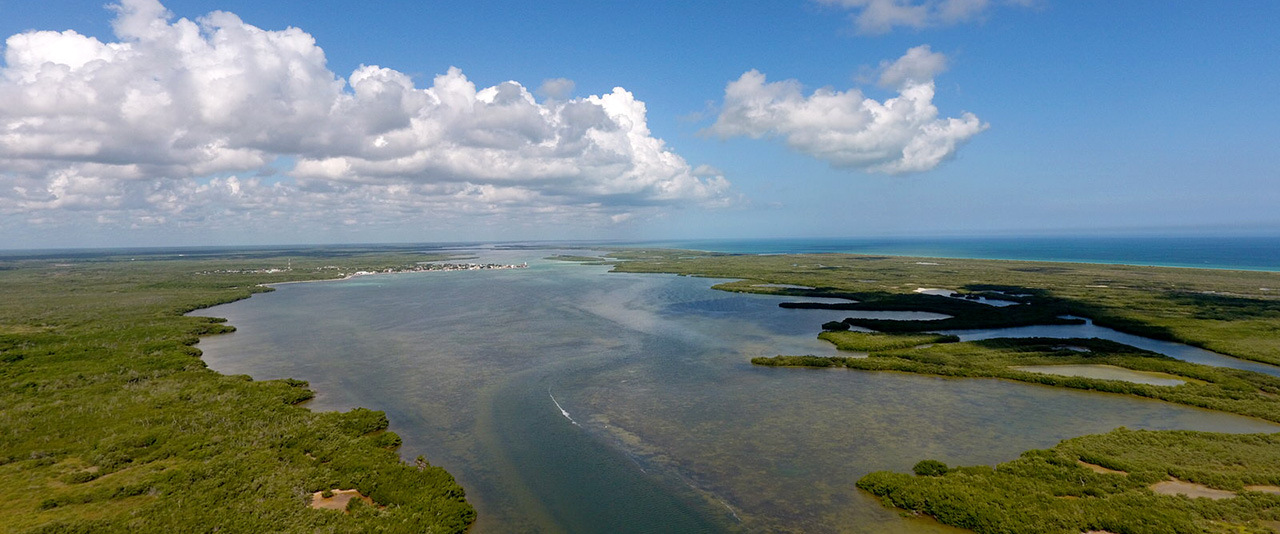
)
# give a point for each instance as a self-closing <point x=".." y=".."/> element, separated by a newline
<point x="999" y="303"/>
<point x="1090" y="330"/>
<point x="676" y="430"/>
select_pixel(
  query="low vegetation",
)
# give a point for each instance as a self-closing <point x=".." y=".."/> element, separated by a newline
<point x="110" y="422"/>
<point x="586" y="260"/>
<point x="880" y="341"/>
<point x="1053" y="492"/>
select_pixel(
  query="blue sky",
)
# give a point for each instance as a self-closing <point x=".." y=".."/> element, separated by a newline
<point x="1039" y="117"/>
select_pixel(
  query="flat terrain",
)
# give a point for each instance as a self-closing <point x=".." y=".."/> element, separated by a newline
<point x="112" y="423"/>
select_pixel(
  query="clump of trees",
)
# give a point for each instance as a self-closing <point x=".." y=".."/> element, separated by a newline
<point x="930" y="468"/>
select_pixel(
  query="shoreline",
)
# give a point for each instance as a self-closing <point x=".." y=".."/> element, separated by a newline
<point x="447" y="267"/>
<point x="1009" y="249"/>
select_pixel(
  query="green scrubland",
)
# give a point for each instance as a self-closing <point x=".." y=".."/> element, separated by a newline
<point x="110" y="422"/>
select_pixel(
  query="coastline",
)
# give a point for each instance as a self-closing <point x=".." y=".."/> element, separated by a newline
<point x="446" y="268"/>
<point x="1257" y="253"/>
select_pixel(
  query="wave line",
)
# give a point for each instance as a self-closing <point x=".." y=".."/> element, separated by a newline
<point x="563" y="412"/>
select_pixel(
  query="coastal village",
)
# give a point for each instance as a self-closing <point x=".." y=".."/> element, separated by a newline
<point x="432" y="266"/>
<point x="415" y="268"/>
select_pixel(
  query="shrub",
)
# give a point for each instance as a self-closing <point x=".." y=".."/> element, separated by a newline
<point x="930" y="468"/>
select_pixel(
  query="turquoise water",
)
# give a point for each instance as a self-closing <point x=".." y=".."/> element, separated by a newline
<point x="569" y="399"/>
<point x="1248" y="253"/>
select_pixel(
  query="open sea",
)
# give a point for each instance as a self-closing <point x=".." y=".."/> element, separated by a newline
<point x="1245" y="253"/>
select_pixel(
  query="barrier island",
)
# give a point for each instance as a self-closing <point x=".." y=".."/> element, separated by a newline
<point x="110" y="421"/>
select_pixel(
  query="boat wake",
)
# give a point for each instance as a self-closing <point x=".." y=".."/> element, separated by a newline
<point x="563" y="412"/>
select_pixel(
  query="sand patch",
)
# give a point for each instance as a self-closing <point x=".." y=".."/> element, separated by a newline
<point x="1099" y="469"/>
<point x="1190" y="489"/>
<point x="935" y="291"/>
<point x="22" y="329"/>
<point x="338" y="501"/>
<point x="1105" y="372"/>
<point x="1264" y="489"/>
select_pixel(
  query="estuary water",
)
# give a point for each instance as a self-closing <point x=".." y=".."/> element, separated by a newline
<point x="569" y="399"/>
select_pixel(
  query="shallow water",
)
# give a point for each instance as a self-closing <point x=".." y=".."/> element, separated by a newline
<point x="999" y="303"/>
<point x="569" y="399"/>
<point x="1090" y="330"/>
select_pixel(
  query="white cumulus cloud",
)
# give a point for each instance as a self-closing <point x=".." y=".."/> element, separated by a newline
<point x="176" y="120"/>
<point x="919" y="65"/>
<point x="882" y="16"/>
<point x="845" y="128"/>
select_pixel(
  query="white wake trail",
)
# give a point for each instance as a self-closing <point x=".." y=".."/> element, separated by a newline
<point x="563" y="412"/>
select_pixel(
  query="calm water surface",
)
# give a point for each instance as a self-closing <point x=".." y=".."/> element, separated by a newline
<point x="569" y="399"/>
<point x="1090" y="330"/>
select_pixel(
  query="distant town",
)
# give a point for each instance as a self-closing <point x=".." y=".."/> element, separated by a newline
<point x="431" y="266"/>
<point x="415" y="268"/>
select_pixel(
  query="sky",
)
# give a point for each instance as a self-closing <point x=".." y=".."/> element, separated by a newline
<point x="237" y="122"/>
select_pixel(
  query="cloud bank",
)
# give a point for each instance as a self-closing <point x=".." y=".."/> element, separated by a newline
<point x="846" y="129"/>
<point x="882" y="16"/>
<point x="178" y="121"/>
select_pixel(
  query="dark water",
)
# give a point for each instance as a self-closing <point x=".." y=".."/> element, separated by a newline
<point x="662" y="424"/>
<point x="1247" y="253"/>
<point x="1088" y="330"/>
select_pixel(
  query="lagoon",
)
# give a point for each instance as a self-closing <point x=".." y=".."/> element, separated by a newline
<point x="569" y="399"/>
<point x="1179" y="351"/>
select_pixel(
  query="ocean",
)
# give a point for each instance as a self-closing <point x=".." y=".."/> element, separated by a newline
<point x="1243" y="253"/>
